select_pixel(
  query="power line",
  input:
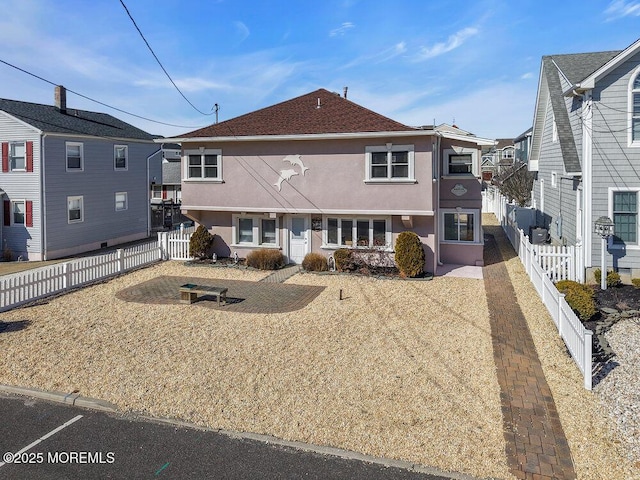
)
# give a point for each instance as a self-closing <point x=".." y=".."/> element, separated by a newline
<point x="160" y="63"/>
<point x="94" y="100"/>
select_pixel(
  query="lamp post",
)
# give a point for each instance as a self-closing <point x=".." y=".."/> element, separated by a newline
<point x="604" y="228"/>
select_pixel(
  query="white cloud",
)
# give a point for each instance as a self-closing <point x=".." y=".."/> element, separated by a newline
<point x="526" y="76"/>
<point x="379" y="57"/>
<point x="622" y="8"/>
<point x="453" y="42"/>
<point x="341" y="30"/>
<point x="499" y="111"/>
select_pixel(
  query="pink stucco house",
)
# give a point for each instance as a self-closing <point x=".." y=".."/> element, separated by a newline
<point x="319" y="172"/>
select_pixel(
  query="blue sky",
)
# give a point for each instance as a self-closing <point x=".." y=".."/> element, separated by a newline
<point x="472" y="62"/>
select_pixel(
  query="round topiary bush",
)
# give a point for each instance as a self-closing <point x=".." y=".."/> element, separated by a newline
<point x="200" y="242"/>
<point x="315" y="262"/>
<point x="409" y="254"/>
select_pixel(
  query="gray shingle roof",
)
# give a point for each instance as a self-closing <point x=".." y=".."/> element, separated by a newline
<point x="563" y="125"/>
<point x="578" y="66"/>
<point x="49" y="119"/>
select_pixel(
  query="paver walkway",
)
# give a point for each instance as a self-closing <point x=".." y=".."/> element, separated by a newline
<point x="281" y="275"/>
<point x="536" y="445"/>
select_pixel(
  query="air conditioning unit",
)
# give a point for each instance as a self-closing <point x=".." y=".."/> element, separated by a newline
<point x="539" y="236"/>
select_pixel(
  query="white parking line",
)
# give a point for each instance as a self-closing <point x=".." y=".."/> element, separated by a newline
<point x="44" y="437"/>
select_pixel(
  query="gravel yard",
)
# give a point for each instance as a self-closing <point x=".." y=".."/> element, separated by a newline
<point x="397" y="369"/>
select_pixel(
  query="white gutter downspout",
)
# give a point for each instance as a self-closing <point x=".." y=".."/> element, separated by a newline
<point x="436" y="218"/>
<point x="587" y="176"/>
<point x="148" y="187"/>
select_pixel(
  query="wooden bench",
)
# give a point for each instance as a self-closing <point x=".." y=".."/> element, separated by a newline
<point x="189" y="293"/>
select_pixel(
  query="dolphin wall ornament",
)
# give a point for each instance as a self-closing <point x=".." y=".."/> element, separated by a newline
<point x="285" y="175"/>
<point x="295" y="160"/>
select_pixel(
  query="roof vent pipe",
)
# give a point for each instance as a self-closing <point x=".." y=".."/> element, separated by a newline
<point x="318" y="106"/>
<point x="345" y="91"/>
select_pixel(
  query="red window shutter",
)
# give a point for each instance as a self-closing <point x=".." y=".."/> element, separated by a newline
<point x="29" y="156"/>
<point x="7" y="213"/>
<point x="164" y="193"/>
<point x="29" y="213"/>
<point x="5" y="156"/>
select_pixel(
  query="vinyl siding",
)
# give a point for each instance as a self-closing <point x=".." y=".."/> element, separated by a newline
<point x="559" y="200"/>
<point x="98" y="184"/>
<point x="615" y="164"/>
<point x="23" y="241"/>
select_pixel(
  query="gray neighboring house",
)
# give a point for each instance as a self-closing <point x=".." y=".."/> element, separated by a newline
<point x="585" y="149"/>
<point x="522" y="145"/>
<point x="71" y="180"/>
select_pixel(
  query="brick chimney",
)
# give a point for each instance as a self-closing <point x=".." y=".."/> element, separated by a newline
<point x="60" y="98"/>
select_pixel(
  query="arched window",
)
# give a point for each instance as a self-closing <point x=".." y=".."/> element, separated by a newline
<point x="635" y="110"/>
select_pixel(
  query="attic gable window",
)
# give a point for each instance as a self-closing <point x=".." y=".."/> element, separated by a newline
<point x="635" y="111"/>
<point x="390" y="163"/>
<point x="120" y="157"/>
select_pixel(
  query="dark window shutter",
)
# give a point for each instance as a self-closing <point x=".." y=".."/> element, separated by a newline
<point x="5" y="157"/>
<point x="29" y="156"/>
<point x="29" y="213"/>
<point x="7" y="213"/>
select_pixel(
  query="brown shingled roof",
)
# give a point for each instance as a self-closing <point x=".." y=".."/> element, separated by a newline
<point x="301" y="116"/>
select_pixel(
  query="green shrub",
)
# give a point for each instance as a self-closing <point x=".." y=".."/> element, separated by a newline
<point x="200" y="242"/>
<point x="613" y="278"/>
<point x="265" y="259"/>
<point x="315" y="262"/>
<point x="579" y="297"/>
<point x="409" y="254"/>
<point x="343" y="259"/>
<point x="636" y="282"/>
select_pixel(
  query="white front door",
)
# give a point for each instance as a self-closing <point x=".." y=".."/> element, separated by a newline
<point x="298" y="239"/>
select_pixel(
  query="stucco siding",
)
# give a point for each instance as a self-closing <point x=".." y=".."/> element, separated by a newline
<point x="334" y="181"/>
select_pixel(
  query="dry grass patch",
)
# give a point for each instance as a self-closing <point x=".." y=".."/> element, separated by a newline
<point x="397" y="369"/>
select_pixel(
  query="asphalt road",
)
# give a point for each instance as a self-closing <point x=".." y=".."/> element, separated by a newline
<point x="43" y="440"/>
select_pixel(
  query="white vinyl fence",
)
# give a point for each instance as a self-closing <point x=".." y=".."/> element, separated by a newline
<point x="25" y="287"/>
<point x="174" y="245"/>
<point x="544" y="265"/>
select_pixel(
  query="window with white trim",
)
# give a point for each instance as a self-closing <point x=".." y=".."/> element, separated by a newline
<point x="18" y="156"/>
<point x="390" y="163"/>
<point x="356" y="232"/>
<point x="120" y="157"/>
<point x="75" y="156"/>
<point x="121" y="201"/>
<point x="634" y="99"/>
<point x="460" y="161"/>
<point x="156" y="192"/>
<point x="75" y="209"/>
<point x="204" y="164"/>
<point x="625" y="217"/>
<point x="18" y="208"/>
<point x="255" y="230"/>
<point x="460" y="225"/>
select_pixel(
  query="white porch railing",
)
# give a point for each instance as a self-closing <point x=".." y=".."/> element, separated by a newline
<point x="25" y="287"/>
